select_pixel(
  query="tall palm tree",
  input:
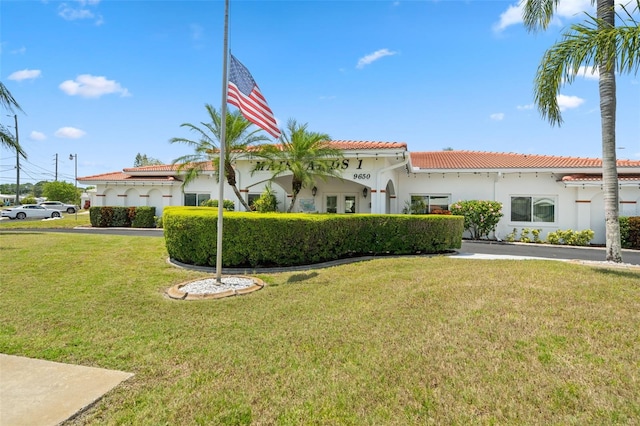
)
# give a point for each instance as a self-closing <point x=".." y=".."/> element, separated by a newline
<point x="596" y="42"/>
<point x="10" y="104"/>
<point x="304" y="154"/>
<point x="239" y="137"/>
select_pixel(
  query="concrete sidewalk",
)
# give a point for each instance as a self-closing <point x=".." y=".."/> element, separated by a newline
<point x="34" y="392"/>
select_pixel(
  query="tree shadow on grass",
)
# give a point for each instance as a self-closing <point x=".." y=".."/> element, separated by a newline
<point x="619" y="273"/>
<point x="295" y="278"/>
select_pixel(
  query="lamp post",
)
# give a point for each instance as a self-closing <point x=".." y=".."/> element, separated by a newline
<point x="75" y="157"/>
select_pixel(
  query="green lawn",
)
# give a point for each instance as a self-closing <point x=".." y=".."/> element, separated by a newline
<point x="66" y="221"/>
<point x="416" y="340"/>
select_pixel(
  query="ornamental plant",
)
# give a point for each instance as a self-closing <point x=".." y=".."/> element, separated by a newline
<point x="480" y="217"/>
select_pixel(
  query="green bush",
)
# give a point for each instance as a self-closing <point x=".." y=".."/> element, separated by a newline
<point x="277" y="239"/>
<point x="144" y="217"/>
<point x="480" y="217"/>
<point x="570" y="237"/>
<point x="226" y="204"/>
<point x="630" y="232"/>
<point x="633" y="235"/>
<point x="267" y="202"/>
<point x="624" y="231"/>
<point x="29" y="200"/>
<point x="122" y="217"/>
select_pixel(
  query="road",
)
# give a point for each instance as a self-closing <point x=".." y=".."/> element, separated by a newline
<point x="468" y="246"/>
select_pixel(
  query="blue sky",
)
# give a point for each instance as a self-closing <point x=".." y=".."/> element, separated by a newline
<point x="109" y="79"/>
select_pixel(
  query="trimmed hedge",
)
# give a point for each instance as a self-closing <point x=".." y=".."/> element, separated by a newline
<point x="630" y="232"/>
<point x="288" y="239"/>
<point x="122" y="217"/>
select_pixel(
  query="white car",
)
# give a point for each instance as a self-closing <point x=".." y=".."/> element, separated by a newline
<point x="62" y="207"/>
<point x="31" y="211"/>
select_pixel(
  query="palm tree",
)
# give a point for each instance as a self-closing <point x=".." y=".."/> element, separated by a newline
<point x="238" y="138"/>
<point x="597" y="42"/>
<point x="304" y="154"/>
<point x="10" y="104"/>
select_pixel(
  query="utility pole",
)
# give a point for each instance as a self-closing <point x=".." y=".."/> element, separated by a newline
<point x="75" y="199"/>
<point x="56" y="179"/>
<point x="17" y="163"/>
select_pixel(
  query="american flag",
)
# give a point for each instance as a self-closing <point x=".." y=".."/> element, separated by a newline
<point x="244" y="93"/>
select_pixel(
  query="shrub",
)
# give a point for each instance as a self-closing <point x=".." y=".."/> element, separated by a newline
<point x="571" y="237"/>
<point x="536" y="235"/>
<point x="120" y="218"/>
<point x="267" y="202"/>
<point x="480" y="217"/>
<point x="281" y="239"/>
<point x="144" y="217"/>
<point x="624" y="231"/>
<point x="106" y="216"/>
<point x="226" y="204"/>
<point x="29" y="200"/>
<point x="634" y="232"/>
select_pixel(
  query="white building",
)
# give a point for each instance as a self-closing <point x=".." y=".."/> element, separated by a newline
<point x="536" y="191"/>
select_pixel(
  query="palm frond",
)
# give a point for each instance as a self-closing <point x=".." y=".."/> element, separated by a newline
<point x="8" y="140"/>
<point x="7" y="100"/>
<point x="537" y="14"/>
<point x="593" y="43"/>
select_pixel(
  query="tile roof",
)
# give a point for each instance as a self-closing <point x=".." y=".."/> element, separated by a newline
<point x="494" y="160"/>
<point x="162" y="168"/>
<point x="120" y="176"/>
<point x="597" y="178"/>
<point x="356" y="145"/>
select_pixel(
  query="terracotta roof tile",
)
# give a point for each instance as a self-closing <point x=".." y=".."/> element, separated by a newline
<point x="354" y="145"/>
<point x="597" y="177"/>
<point x="162" y="168"/>
<point x="495" y="160"/>
<point x="124" y="177"/>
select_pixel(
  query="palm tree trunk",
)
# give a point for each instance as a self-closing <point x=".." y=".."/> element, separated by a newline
<point x="230" y="173"/>
<point x="607" y="87"/>
<point x="240" y="198"/>
<point x="293" y="202"/>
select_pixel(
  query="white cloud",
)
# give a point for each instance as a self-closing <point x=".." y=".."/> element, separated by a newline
<point x="372" y="57"/>
<point x="89" y="86"/>
<point x="573" y="8"/>
<point x="498" y="116"/>
<point x="70" y="13"/>
<point x="69" y="133"/>
<point x="567" y="102"/>
<point x="37" y="136"/>
<point x="511" y="16"/>
<point x="196" y="31"/>
<point x="25" y="75"/>
<point x="19" y="51"/>
<point x="525" y="107"/>
<point x="590" y="73"/>
<point x="568" y="9"/>
<point x="80" y="9"/>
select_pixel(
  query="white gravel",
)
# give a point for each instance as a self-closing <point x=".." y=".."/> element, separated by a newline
<point x="209" y="285"/>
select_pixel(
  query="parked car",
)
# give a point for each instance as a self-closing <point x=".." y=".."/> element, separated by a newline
<point x="31" y="211"/>
<point x="62" y="207"/>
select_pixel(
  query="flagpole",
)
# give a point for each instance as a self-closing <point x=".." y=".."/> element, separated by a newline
<point x="223" y="137"/>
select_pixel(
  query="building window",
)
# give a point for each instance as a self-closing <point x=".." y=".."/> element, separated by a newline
<point x="332" y="203"/>
<point x="192" y="199"/>
<point x="533" y="209"/>
<point x="423" y="204"/>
